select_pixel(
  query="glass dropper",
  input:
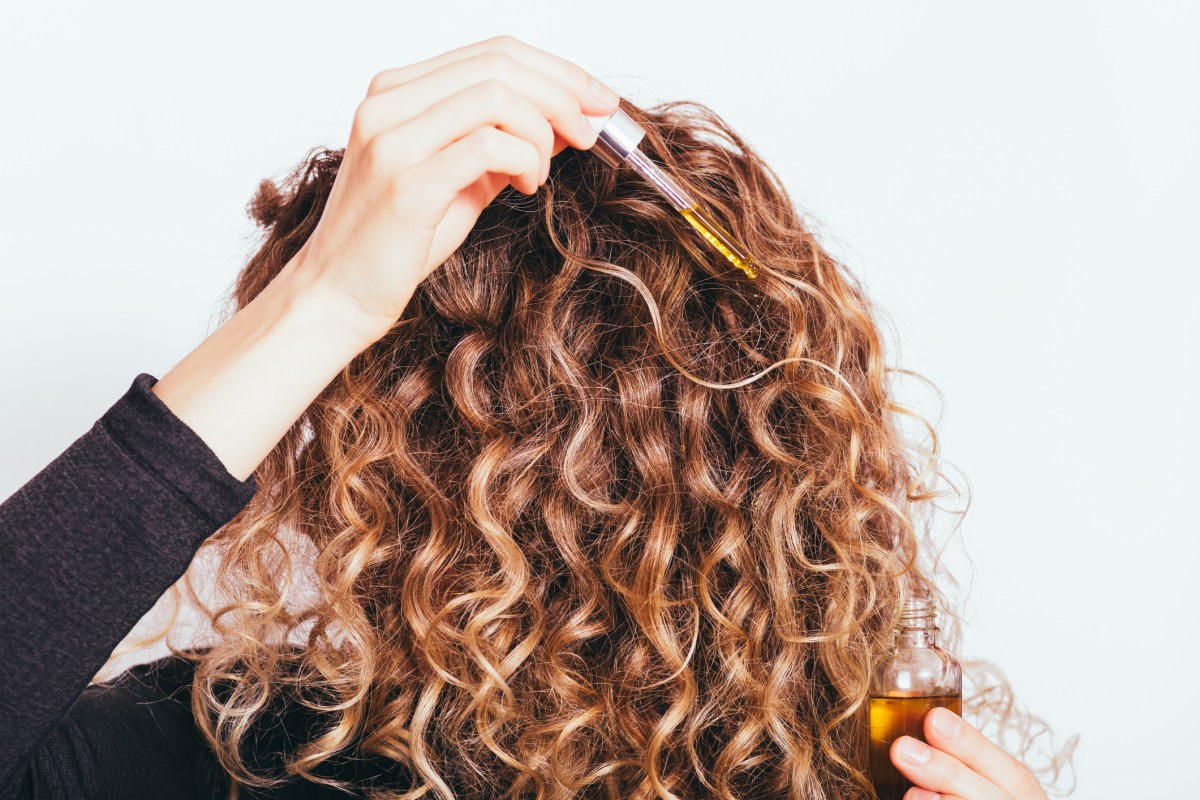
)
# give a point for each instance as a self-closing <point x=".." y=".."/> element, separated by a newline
<point x="617" y="143"/>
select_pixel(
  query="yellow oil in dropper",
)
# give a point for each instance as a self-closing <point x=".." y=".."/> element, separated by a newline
<point x="720" y="238"/>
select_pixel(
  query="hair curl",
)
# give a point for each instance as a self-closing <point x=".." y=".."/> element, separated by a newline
<point x="598" y="517"/>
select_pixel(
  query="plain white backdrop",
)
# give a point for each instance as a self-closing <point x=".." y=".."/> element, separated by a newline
<point x="1018" y="184"/>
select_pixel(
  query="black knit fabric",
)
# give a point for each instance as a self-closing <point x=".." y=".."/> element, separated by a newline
<point x="86" y="548"/>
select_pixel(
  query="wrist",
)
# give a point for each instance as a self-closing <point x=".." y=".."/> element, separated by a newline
<point x="245" y="385"/>
<point x="309" y="298"/>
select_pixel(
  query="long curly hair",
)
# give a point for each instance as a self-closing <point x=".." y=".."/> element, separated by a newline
<point x="598" y="517"/>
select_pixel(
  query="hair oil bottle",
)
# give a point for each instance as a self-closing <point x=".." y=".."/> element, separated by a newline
<point x="916" y="677"/>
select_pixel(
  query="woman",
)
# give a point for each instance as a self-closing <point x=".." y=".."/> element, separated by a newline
<point x="592" y="514"/>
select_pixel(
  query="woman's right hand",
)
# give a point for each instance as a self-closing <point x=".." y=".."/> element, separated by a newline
<point x="432" y="144"/>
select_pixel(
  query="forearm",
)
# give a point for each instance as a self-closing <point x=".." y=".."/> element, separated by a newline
<point x="86" y="548"/>
<point x="247" y="383"/>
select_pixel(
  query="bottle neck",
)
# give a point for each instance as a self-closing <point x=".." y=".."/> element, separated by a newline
<point x="916" y="625"/>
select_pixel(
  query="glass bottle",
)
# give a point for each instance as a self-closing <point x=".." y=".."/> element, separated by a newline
<point x="915" y="677"/>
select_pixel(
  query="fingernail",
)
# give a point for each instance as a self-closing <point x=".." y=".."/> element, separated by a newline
<point x="946" y="722"/>
<point x="603" y="94"/>
<point x="914" y="752"/>
<point x="917" y="793"/>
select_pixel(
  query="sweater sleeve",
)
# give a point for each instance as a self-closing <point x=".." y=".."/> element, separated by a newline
<point x="87" y="547"/>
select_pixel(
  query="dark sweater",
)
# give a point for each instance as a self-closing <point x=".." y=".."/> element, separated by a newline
<point x="86" y="548"/>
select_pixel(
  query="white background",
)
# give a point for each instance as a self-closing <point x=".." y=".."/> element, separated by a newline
<point x="1016" y="182"/>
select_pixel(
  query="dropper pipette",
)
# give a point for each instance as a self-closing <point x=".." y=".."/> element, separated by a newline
<point x="617" y="143"/>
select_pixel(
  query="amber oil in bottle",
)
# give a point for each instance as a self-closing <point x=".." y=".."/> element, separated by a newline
<point x="916" y="677"/>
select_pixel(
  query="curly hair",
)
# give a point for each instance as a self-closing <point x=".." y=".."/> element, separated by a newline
<point x="598" y="517"/>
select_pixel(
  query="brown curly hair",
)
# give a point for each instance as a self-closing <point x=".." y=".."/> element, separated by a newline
<point x="598" y="517"/>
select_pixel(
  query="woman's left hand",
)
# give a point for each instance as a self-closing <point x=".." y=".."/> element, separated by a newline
<point x="960" y="763"/>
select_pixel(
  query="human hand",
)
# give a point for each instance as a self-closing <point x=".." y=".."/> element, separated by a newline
<point x="431" y="145"/>
<point x="960" y="763"/>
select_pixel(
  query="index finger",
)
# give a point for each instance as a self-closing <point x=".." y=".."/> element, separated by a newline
<point x="594" y="97"/>
<point x="951" y="733"/>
